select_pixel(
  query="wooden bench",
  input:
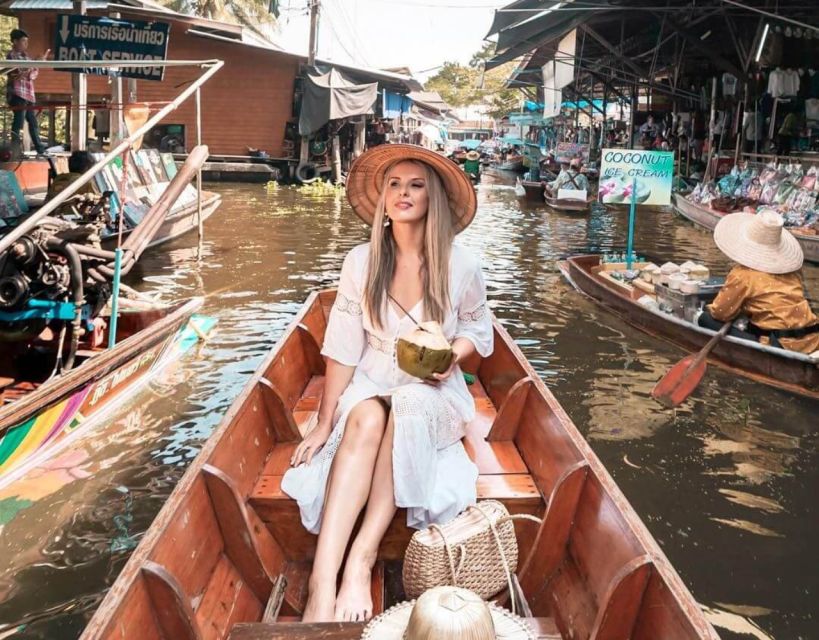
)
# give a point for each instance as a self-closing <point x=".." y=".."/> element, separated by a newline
<point x="503" y="476"/>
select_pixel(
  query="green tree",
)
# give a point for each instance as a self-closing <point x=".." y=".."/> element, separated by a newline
<point x="457" y="84"/>
<point x="257" y="15"/>
<point x="461" y="85"/>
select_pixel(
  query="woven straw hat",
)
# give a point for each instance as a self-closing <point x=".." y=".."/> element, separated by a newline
<point x="367" y="178"/>
<point x="759" y="241"/>
<point x="447" y="613"/>
<point x="473" y="155"/>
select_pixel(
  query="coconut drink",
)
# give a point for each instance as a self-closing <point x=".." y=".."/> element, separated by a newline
<point x="424" y="351"/>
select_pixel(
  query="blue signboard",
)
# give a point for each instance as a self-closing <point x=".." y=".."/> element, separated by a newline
<point x="92" y="38"/>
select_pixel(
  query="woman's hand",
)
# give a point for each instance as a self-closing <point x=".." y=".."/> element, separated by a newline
<point x="435" y="378"/>
<point x="312" y="442"/>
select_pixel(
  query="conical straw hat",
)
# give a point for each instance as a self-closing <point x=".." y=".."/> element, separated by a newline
<point x="447" y="613"/>
<point x="759" y="241"/>
<point x="366" y="179"/>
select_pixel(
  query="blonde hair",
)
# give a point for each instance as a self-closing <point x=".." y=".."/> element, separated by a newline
<point x="438" y="235"/>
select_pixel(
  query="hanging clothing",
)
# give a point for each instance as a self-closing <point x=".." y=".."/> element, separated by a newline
<point x="751" y="126"/>
<point x="812" y="109"/>
<point x="432" y="473"/>
<point x="776" y="83"/>
<point x="729" y="84"/>
<point x="771" y="302"/>
<point x="792" y="82"/>
<point x="813" y="78"/>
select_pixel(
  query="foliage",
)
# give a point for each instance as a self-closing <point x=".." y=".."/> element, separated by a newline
<point x="458" y="85"/>
<point x="463" y="85"/>
<point x="257" y="15"/>
<point x="6" y="25"/>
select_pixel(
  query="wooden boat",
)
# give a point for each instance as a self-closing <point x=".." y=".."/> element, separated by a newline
<point x="228" y="547"/>
<point x="706" y="217"/>
<point x="570" y="206"/>
<point x="789" y="370"/>
<point x="40" y="415"/>
<point x="512" y="163"/>
<point x="533" y="191"/>
<point x="176" y="223"/>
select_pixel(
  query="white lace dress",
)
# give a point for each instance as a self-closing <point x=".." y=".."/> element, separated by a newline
<point x="433" y="476"/>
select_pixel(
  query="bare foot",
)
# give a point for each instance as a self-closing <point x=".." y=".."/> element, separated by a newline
<point x="321" y="603"/>
<point x="355" y="601"/>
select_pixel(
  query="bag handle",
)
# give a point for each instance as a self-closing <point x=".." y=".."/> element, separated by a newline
<point x="496" y="535"/>
<point x="453" y="572"/>
<point x="492" y="527"/>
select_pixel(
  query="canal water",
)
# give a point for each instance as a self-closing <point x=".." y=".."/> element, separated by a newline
<point x="727" y="483"/>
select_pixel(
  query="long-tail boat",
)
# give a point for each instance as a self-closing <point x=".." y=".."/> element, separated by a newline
<point x="789" y="370"/>
<point x="42" y="412"/>
<point x="228" y="547"/>
<point x="531" y="190"/>
<point x="570" y="206"/>
<point x="176" y="223"/>
<point x="707" y="218"/>
<point x="59" y="367"/>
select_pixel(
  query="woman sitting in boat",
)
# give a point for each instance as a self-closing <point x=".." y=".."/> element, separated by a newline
<point x="383" y="437"/>
<point x="568" y="178"/>
<point x="766" y="286"/>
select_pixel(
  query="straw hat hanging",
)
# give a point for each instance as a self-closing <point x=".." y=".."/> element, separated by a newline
<point x="366" y="179"/>
<point x="447" y="613"/>
<point x="759" y="241"/>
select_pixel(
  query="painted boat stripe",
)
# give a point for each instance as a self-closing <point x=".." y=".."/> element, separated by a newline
<point x="12" y="438"/>
<point x="36" y="436"/>
<point x="74" y="403"/>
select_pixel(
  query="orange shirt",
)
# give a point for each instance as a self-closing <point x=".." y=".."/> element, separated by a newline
<point x="770" y="302"/>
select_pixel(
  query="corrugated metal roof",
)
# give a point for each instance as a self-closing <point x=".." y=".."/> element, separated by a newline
<point x="60" y="5"/>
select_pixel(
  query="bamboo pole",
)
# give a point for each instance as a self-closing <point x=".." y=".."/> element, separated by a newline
<point x="199" y="169"/>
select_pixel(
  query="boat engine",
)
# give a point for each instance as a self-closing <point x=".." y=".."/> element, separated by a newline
<point x="42" y="274"/>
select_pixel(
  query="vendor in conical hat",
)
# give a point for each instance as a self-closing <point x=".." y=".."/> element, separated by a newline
<point x="568" y="178"/>
<point x="766" y="285"/>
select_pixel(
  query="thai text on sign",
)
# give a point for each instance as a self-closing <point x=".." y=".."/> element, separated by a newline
<point x="99" y="38"/>
<point x="648" y="174"/>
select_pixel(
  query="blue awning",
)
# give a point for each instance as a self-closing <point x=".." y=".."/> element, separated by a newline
<point x="395" y="104"/>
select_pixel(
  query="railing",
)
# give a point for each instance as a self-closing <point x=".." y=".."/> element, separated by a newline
<point x="210" y="67"/>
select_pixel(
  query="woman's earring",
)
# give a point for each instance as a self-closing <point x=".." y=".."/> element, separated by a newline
<point x="386" y="221"/>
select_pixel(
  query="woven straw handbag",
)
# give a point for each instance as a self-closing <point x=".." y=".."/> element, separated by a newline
<point x="477" y="550"/>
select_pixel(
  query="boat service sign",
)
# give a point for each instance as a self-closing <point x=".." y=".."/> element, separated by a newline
<point x="651" y="171"/>
<point x="101" y="38"/>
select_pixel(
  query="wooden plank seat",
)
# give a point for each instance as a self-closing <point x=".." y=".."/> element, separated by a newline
<point x="503" y="476"/>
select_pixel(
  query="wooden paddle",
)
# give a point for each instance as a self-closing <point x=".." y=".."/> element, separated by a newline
<point x="681" y="380"/>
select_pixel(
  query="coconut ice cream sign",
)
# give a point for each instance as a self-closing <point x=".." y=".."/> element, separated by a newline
<point x="648" y="174"/>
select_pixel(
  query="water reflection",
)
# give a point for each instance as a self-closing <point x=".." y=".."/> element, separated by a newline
<point x="726" y="483"/>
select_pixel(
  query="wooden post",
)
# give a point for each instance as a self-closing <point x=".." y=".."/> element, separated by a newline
<point x="336" y="151"/>
<point x="199" y="169"/>
<point x="311" y="53"/>
<point x="304" y="150"/>
<point x="117" y="125"/>
<point x="631" y="118"/>
<point x="79" y="99"/>
<point x="711" y="128"/>
<point x="741" y="132"/>
<point x="360" y="126"/>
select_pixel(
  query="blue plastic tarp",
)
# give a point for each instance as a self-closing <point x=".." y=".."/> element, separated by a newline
<point x="395" y="104"/>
